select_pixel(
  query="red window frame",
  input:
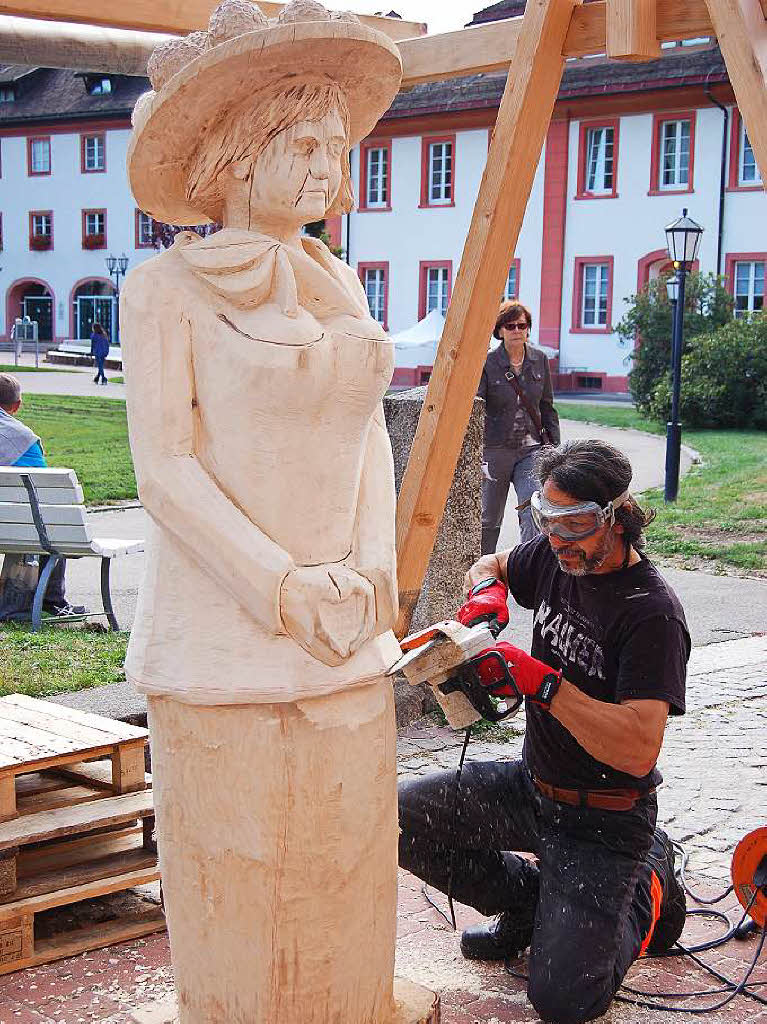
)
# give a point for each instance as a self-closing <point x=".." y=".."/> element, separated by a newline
<point x="657" y="125"/>
<point x="739" y="257"/>
<point x="83" y="138"/>
<point x="38" y="138"/>
<point x="583" y="130"/>
<point x="40" y="213"/>
<point x="426" y="142"/>
<point x="423" y="268"/>
<point x="515" y="264"/>
<point x="138" y="244"/>
<point x="365" y="148"/>
<point x="381" y="265"/>
<point x="581" y="261"/>
<point x="84" y="215"/>
<point x="733" y="177"/>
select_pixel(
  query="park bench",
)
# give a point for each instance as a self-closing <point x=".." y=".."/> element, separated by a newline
<point x="42" y="513"/>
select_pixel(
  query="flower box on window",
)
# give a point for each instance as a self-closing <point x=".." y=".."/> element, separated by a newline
<point x="40" y="242"/>
<point x="93" y="241"/>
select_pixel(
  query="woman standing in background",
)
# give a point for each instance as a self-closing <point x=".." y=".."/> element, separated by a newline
<point x="520" y="417"/>
<point x="99" y="351"/>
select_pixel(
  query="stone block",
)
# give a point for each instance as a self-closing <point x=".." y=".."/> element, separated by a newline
<point x="458" y="540"/>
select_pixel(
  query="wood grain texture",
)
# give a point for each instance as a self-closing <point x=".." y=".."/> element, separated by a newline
<point x="491" y="47"/>
<point x="277" y="830"/>
<point x="7" y="797"/>
<point x="741" y="29"/>
<point x="82" y="891"/>
<point x="523" y="119"/>
<point x="631" y="30"/>
<point x="468" y="51"/>
<point x="96" y="936"/>
<point x="175" y="17"/>
<point x="414" y="1005"/>
<point x="63" y="821"/>
<point x="68" y="718"/>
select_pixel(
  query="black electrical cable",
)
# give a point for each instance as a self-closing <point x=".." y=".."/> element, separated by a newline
<point x="698" y="899"/>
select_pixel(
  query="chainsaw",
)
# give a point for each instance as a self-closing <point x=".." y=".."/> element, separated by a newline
<point x="460" y="663"/>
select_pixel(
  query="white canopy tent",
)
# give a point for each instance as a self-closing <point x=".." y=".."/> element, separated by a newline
<point x="417" y="346"/>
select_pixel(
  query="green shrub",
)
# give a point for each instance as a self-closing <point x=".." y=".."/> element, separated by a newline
<point x="707" y="306"/>
<point x="724" y="379"/>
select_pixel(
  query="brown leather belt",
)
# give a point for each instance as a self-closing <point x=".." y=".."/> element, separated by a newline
<point x="602" y="799"/>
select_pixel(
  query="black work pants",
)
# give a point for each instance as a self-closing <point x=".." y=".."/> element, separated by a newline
<point x="589" y="897"/>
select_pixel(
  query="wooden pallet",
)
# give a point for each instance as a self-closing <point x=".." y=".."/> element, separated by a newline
<point x="60" y="856"/>
<point x="37" y="735"/>
<point x="79" y="829"/>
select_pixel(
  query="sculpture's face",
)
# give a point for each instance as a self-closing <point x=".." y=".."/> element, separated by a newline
<point x="298" y="175"/>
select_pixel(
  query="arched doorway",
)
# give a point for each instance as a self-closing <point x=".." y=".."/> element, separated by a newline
<point x="653" y="265"/>
<point x="33" y="298"/>
<point x="93" y="300"/>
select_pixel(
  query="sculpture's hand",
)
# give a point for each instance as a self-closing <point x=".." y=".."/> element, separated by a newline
<point x="330" y="610"/>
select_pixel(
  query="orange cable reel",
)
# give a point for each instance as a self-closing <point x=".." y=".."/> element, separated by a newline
<point x="749" y="874"/>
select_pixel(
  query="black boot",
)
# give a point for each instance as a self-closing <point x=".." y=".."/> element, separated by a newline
<point x="673" y="908"/>
<point x="503" y="938"/>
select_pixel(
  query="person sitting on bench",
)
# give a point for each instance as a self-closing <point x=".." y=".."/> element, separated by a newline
<point x="20" y="446"/>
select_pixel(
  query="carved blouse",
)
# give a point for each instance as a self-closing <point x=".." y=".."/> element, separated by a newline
<point x="255" y="377"/>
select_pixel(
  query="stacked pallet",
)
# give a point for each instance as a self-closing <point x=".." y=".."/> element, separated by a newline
<point x="76" y="821"/>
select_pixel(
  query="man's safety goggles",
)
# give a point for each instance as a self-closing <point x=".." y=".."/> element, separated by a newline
<point x="573" y="522"/>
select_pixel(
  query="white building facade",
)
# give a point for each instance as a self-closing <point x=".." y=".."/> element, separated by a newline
<point x="629" y="146"/>
<point x="65" y="204"/>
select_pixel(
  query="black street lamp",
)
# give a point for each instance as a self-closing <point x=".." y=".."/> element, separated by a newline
<point x="683" y="241"/>
<point x="117" y="267"/>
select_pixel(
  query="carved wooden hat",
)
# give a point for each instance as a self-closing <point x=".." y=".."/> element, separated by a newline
<point x="199" y="77"/>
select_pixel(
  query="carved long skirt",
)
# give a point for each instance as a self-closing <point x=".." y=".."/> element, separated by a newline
<point x="277" y="834"/>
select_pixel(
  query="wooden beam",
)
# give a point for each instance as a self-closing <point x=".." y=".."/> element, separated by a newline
<point x="742" y="32"/>
<point x="479" y="48"/>
<point x="490" y="47"/>
<point x="56" y="44"/>
<point x="523" y="119"/>
<point x="631" y="30"/>
<point x="175" y="17"/>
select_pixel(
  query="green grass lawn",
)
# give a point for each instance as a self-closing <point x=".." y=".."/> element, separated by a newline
<point x="58" y="659"/>
<point x="89" y="435"/>
<point x="12" y="368"/>
<point x="720" y="517"/>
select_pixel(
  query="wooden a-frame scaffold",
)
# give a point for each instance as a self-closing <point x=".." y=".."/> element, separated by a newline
<point x="533" y="48"/>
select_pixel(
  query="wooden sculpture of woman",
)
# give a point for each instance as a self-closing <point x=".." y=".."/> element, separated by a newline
<point x="255" y="377"/>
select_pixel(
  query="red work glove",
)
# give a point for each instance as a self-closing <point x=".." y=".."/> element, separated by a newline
<point x="533" y="678"/>
<point x="486" y="603"/>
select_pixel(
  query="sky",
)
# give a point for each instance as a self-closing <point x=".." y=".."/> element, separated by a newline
<point x="439" y="15"/>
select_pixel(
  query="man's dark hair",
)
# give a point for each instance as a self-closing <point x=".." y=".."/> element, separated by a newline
<point x="592" y="470"/>
<point x="10" y="391"/>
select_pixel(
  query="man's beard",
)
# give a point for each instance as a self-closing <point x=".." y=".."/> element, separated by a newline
<point x="586" y="563"/>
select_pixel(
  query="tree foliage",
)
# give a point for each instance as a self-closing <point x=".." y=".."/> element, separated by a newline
<point x="724" y="378"/>
<point x="707" y="306"/>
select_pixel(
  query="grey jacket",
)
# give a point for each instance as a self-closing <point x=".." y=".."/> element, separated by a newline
<point x="506" y="420"/>
<point x="15" y="438"/>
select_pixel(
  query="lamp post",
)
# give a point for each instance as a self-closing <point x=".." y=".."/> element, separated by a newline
<point x="683" y="241"/>
<point x="117" y="267"/>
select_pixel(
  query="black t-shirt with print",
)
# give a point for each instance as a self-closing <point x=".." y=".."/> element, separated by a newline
<point x="616" y="636"/>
